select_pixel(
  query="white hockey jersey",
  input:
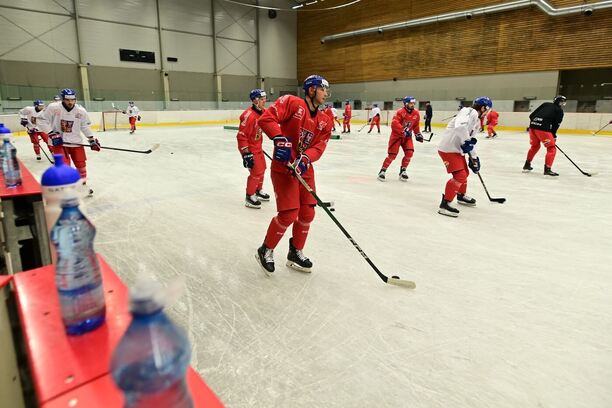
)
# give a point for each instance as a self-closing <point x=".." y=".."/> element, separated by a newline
<point x="334" y="112"/>
<point x="69" y="124"/>
<point x="132" y="111"/>
<point x="36" y="122"/>
<point x="461" y="128"/>
<point x="375" y="111"/>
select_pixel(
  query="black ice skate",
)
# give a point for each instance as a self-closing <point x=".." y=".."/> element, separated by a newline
<point x="296" y="259"/>
<point x="548" y="172"/>
<point x="403" y="176"/>
<point x="265" y="258"/>
<point x="466" y="200"/>
<point x="446" y="209"/>
<point x="381" y="175"/>
<point x="252" y="201"/>
<point x="527" y="167"/>
<point x="262" y="196"/>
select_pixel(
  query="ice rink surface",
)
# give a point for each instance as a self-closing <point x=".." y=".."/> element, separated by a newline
<point x="513" y="305"/>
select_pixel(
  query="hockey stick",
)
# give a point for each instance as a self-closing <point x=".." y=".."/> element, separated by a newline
<point x="394" y="280"/>
<point x="115" y="108"/>
<point x="361" y="128"/>
<point x="602" y="128"/>
<point x="450" y="117"/>
<point x="45" y="153"/>
<point x="579" y="169"/>
<point x="328" y="204"/>
<point x="430" y="136"/>
<point x="495" y="200"/>
<point x="152" y="149"/>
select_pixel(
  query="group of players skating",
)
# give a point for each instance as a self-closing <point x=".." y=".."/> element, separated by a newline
<point x="60" y="124"/>
<point x="300" y="129"/>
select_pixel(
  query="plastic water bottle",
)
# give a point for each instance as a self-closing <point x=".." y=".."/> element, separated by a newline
<point x="10" y="165"/>
<point x="58" y="182"/>
<point x="150" y="362"/>
<point x="3" y="132"/>
<point x="77" y="272"/>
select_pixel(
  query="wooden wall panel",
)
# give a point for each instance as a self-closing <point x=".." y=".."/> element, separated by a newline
<point x="515" y="41"/>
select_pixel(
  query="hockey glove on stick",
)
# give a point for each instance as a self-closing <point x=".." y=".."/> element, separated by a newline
<point x="94" y="144"/>
<point x="468" y="145"/>
<point x="23" y="122"/>
<point x="282" y="149"/>
<point x="56" y="139"/>
<point x="419" y="137"/>
<point x="139" y="118"/>
<point x="474" y="164"/>
<point x="301" y="164"/>
<point x="248" y="160"/>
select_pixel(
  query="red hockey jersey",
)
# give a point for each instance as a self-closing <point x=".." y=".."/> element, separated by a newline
<point x="308" y="131"/>
<point x="249" y="132"/>
<point x="404" y="119"/>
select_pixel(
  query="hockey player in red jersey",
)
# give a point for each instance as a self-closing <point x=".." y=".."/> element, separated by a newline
<point x="300" y="132"/>
<point x="249" y="144"/>
<point x="405" y="122"/>
<point x="457" y="140"/>
<point x="348" y="114"/>
<point x="329" y="111"/>
<point x="543" y="126"/>
<point x="492" y="120"/>
<point x="375" y="119"/>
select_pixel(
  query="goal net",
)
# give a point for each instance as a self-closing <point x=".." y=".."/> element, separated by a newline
<point x="109" y="120"/>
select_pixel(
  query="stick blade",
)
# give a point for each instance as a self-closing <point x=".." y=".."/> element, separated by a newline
<point x="401" y="282"/>
<point x="498" y="200"/>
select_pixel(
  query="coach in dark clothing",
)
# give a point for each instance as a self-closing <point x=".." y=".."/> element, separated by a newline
<point x="428" y="115"/>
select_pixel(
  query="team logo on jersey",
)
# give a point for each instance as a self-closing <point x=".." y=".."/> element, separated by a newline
<point x="322" y="124"/>
<point x="408" y="124"/>
<point x="299" y="114"/>
<point x="258" y="133"/>
<point x="77" y="115"/>
<point x="66" y="125"/>
<point x="306" y="137"/>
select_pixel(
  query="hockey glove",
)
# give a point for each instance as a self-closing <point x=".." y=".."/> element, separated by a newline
<point x="419" y="137"/>
<point x="282" y="148"/>
<point x="468" y="145"/>
<point x="94" y="144"/>
<point x="369" y="120"/>
<point x="248" y="160"/>
<point x="56" y="139"/>
<point x="474" y="164"/>
<point x="24" y="122"/>
<point x="301" y="164"/>
<point x="139" y="118"/>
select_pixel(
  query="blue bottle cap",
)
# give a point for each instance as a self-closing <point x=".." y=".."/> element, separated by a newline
<point x="60" y="173"/>
<point x="3" y="129"/>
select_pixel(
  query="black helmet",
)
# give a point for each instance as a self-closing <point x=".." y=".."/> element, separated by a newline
<point x="559" y="100"/>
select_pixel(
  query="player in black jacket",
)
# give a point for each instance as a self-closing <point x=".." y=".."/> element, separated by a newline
<point x="543" y="126"/>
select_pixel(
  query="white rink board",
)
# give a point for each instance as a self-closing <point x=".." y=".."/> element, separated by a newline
<point x="512" y="305"/>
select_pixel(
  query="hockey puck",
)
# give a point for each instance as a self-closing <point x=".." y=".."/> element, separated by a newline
<point x="171" y="152"/>
<point x="332" y="209"/>
<point x="395" y="277"/>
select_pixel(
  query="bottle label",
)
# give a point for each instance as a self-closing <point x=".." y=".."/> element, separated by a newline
<point x="81" y="304"/>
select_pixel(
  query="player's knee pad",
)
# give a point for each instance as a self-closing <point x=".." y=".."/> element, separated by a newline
<point x="460" y="177"/>
<point x="306" y="214"/>
<point x="286" y="217"/>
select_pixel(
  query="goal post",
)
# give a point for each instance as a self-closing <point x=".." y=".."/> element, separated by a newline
<point x="109" y="120"/>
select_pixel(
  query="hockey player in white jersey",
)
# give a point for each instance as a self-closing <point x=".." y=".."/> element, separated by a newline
<point x="67" y="121"/>
<point x="375" y="119"/>
<point x="134" y="114"/>
<point x="457" y="140"/>
<point x="36" y="126"/>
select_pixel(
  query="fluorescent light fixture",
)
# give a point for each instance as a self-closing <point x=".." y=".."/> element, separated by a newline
<point x="311" y="2"/>
<point x="297" y="7"/>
